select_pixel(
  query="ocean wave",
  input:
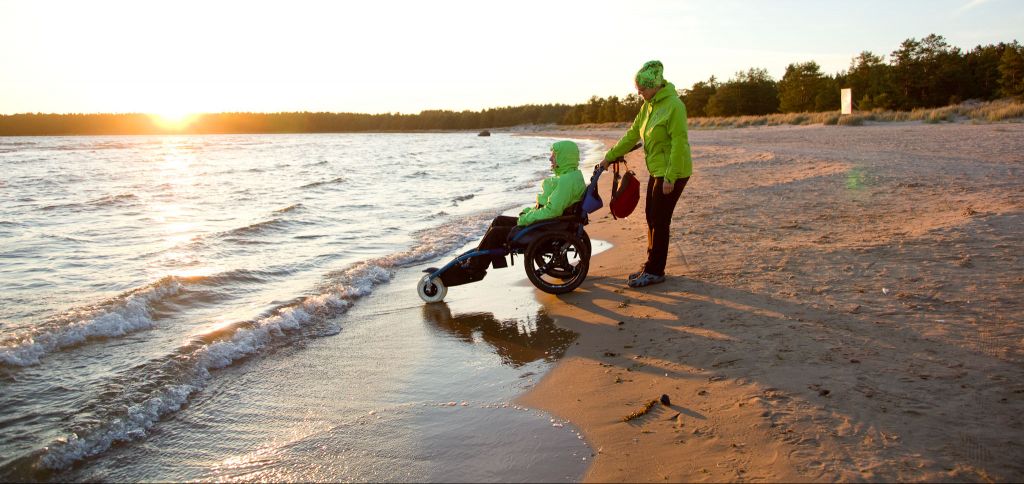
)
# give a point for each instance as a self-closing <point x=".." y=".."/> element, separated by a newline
<point x="60" y="206"/>
<point x="98" y="203"/>
<point x="138" y="419"/>
<point x="121" y="315"/>
<point x="124" y="314"/>
<point x="272" y="225"/>
<point x="111" y="145"/>
<point x="440" y="240"/>
<point x="12" y="149"/>
<point x="332" y="181"/>
<point x="114" y="199"/>
<point x="462" y="198"/>
<point x="236" y="276"/>
<point x="526" y="185"/>
<point x="290" y="208"/>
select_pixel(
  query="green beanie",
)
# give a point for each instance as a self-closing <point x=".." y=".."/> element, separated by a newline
<point x="650" y="75"/>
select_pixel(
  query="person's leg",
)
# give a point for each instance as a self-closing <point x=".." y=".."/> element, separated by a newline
<point x="650" y="210"/>
<point x="661" y="220"/>
<point x="495" y="237"/>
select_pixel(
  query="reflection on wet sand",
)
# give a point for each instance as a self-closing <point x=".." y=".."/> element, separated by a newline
<point x="518" y="342"/>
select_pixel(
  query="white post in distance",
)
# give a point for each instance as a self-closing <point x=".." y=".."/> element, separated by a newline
<point x="847" y="101"/>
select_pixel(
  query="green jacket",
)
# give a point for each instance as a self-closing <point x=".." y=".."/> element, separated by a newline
<point x="661" y="124"/>
<point x="561" y="190"/>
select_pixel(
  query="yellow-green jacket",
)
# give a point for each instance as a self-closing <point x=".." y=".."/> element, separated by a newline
<point x="661" y="125"/>
<point x="561" y="190"/>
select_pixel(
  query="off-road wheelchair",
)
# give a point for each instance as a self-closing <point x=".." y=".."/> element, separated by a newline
<point x="556" y="254"/>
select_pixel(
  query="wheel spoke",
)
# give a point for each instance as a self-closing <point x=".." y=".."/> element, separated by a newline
<point x="556" y="263"/>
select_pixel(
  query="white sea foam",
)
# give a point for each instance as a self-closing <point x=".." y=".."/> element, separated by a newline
<point x="126" y="314"/>
<point x="134" y="425"/>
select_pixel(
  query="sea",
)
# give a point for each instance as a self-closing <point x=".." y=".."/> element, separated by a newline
<point x="243" y="307"/>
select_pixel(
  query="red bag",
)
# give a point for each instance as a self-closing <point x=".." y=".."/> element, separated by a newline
<point x="625" y="193"/>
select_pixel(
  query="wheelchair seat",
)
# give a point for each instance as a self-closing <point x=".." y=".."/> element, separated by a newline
<point x="572" y="220"/>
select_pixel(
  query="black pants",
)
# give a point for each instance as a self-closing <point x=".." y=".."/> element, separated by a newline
<point x="659" y="216"/>
<point x="495" y="237"/>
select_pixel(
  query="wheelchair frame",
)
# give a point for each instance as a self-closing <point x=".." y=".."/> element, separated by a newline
<point x="545" y="246"/>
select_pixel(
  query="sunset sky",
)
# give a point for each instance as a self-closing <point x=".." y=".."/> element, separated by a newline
<point x="387" y="56"/>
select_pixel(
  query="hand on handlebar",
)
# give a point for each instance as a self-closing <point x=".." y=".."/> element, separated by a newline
<point x="605" y="163"/>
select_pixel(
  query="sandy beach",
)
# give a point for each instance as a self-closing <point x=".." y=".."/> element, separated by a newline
<point x="843" y="303"/>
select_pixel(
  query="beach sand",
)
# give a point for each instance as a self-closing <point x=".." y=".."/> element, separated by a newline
<point x="843" y="303"/>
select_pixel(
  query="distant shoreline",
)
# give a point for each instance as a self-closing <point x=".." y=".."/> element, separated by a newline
<point x="520" y="119"/>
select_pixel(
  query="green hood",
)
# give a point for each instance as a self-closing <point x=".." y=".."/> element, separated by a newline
<point x="668" y="90"/>
<point x="567" y="156"/>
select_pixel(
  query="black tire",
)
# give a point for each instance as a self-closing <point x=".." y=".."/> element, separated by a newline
<point x="557" y="263"/>
<point x="566" y="274"/>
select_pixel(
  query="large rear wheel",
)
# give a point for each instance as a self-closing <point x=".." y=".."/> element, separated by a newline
<point x="557" y="263"/>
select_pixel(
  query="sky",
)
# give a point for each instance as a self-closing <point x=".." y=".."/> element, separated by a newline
<point x="377" y="56"/>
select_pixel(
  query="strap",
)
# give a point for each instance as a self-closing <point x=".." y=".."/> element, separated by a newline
<point x="615" y="188"/>
<point x="615" y="181"/>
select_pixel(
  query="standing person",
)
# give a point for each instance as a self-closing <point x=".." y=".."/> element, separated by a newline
<point x="661" y="125"/>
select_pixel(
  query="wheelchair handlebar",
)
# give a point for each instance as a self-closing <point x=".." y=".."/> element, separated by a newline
<point x="622" y="159"/>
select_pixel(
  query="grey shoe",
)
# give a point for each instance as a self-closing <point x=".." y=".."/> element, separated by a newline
<point x="635" y="275"/>
<point x="646" y="279"/>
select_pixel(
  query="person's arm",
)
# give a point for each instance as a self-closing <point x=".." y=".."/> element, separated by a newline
<point x="679" y="155"/>
<point x="545" y="191"/>
<point x="556" y="204"/>
<point x="628" y="141"/>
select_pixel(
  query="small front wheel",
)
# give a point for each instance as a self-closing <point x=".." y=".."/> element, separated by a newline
<point x="431" y="291"/>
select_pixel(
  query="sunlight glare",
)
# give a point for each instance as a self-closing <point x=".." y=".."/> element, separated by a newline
<point x="174" y="120"/>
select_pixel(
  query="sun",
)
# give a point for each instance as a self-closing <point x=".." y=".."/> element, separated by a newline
<point x="173" y="120"/>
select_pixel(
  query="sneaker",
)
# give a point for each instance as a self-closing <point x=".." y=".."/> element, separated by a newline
<point x="635" y="275"/>
<point x="646" y="279"/>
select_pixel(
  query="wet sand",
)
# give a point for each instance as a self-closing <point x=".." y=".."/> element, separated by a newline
<point x="844" y="303"/>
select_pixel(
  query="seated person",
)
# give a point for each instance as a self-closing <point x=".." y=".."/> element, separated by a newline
<point x="558" y="192"/>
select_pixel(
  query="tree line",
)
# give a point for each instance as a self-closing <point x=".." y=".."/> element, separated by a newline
<point x="924" y="73"/>
<point x="919" y="74"/>
<point x="36" y="124"/>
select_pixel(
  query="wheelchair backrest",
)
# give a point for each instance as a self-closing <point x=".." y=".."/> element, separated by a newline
<point x="574" y="210"/>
